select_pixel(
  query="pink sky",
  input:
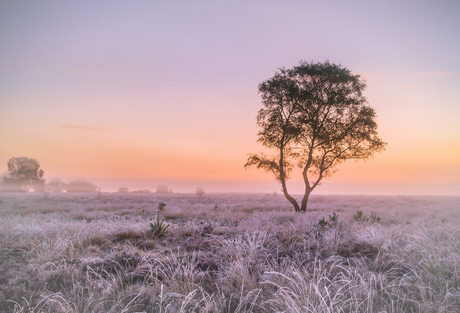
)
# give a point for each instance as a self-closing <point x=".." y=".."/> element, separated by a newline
<point x="142" y="93"/>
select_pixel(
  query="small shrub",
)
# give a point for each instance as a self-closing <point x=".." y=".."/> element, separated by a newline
<point x="322" y="222"/>
<point x="360" y="217"/>
<point x="207" y="230"/>
<point x="324" y="225"/>
<point x="320" y="228"/>
<point x="158" y="229"/>
<point x="334" y="219"/>
<point x="374" y="218"/>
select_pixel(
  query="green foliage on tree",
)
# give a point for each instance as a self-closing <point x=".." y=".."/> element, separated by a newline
<point x="23" y="174"/>
<point x="315" y="117"/>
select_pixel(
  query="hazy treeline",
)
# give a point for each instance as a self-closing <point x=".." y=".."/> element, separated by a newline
<point x="55" y="186"/>
<point x="24" y="175"/>
<point x="160" y="189"/>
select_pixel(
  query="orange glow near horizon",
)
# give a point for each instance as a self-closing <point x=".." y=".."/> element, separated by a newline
<point x="103" y="158"/>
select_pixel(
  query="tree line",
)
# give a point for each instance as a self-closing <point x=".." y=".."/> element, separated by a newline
<point x="25" y="174"/>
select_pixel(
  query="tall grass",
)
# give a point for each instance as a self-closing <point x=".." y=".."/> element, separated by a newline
<point x="250" y="253"/>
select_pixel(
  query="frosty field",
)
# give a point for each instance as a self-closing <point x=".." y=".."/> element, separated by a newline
<point x="228" y="253"/>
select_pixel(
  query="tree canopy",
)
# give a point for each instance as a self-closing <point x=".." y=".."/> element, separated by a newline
<point x="315" y="117"/>
<point x="200" y="192"/>
<point x="163" y="189"/>
<point x="24" y="173"/>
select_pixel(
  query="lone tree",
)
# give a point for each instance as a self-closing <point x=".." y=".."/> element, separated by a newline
<point x="24" y="173"/>
<point x="315" y="117"/>
<point x="200" y="192"/>
<point x="81" y="185"/>
<point x="163" y="189"/>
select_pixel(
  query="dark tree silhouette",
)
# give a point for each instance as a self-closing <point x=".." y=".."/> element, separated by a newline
<point x="315" y="117"/>
<point x="24" y="173"/>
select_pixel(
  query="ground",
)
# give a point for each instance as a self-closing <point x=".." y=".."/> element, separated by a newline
<point x="228" y="253"/>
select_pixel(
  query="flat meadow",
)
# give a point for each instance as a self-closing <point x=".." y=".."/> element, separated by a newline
<point x="228" y="253"/>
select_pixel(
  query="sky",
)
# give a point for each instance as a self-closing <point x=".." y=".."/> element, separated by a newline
<point x="142" y="93"/>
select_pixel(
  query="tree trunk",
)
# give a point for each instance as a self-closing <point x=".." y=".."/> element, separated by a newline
<point x="308" y="188"/>
<point x="292" y="200"/>
<point x="303" y="208"/>
<point x="289" y="197"/>
<point x="283" y="181"/>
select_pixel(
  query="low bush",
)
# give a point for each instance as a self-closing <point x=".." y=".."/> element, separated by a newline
<point x="158" y="229"/>
<point x="360" y="217"/>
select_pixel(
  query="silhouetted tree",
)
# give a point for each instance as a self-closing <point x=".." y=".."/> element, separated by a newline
<point x="315" y="117"/>
<point x="24" y="173"/>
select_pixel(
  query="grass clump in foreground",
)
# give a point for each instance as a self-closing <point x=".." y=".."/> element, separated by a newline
<point x="158" y="229"/>
<point x="82" y="254"/>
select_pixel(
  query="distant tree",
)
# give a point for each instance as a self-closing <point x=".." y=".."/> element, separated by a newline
<point x="142" y="191"/>
<point x="13" y="185"/>
<point x="81" y="185"/>
<point x="315" y="117"/>
<point x="55" y="185"/>
<point x="200" y="192"/>
<point x="123" y="190"/>
<point x="163" y="189"/>
<point x="23" y="174"/>
<point x="39" y="186"/>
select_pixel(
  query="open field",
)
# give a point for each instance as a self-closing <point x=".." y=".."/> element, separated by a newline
<point x="228" y="253"/>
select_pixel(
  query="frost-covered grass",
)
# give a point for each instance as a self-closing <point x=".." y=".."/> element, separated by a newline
<point x="228" y="253"/>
